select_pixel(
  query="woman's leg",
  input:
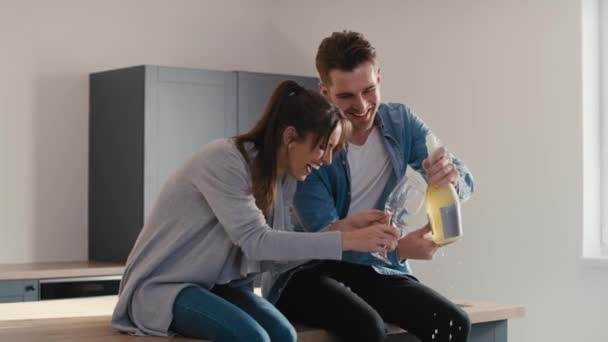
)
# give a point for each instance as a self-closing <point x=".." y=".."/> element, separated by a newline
<point x="267" y="315"/>
<point x="200" y="313"/>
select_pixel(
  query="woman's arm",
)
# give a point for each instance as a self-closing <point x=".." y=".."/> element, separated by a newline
<point x="222" y="176"/>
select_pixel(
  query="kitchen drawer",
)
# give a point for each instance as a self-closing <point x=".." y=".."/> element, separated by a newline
<point x="18" y="291"/>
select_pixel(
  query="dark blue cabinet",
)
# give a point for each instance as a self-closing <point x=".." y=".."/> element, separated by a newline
<point x="18" y="291"/>
<point x="145" y="122"/>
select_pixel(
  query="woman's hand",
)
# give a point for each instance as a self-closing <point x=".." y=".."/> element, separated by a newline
<point x="360" y="220"/>
<point x="376" y="238"/>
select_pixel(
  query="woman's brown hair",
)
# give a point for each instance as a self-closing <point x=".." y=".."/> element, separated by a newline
<point x="290" y="105"/>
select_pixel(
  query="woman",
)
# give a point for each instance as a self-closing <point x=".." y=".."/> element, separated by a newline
<point x="224" y="217"/>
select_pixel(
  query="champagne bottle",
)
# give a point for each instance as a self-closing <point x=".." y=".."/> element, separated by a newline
<point x="442" y="205"/>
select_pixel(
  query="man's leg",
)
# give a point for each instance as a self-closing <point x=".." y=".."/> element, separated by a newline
<point x="415" y="307"/>
<point x="313" y="298"/>
<point x="405" y="302"/>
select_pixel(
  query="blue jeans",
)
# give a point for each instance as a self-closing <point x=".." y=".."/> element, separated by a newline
<point x="229" y="314"/>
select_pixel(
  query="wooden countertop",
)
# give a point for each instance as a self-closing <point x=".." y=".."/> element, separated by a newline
<point x="68" y="269"/>
<point x="81" y="319"/>
<point x="88" y="319"/>
<point x="98" y="329"/>
<point x="103" y="306"/>
<point x="480" y="312"/>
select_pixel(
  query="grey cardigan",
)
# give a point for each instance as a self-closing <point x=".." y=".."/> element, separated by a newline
<point x="206" y="229"/>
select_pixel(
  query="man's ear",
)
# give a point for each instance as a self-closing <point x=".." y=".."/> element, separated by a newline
<point x="289" y="136"/>
<point x="378" y="76"/>
<point x="323" y="90"/>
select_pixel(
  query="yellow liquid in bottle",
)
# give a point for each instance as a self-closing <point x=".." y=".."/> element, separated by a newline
<point x="443" y="210"/>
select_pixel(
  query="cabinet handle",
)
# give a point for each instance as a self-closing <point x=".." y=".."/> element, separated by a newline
<point x="30" y="288"/>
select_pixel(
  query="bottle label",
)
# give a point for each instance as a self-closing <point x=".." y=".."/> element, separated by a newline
<point x="450" y="218"/>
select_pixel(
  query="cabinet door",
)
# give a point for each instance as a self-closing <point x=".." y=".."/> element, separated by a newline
<point x="185" y="109"/>
<point x="254" y="89"/>
<point x="18" y="291"/>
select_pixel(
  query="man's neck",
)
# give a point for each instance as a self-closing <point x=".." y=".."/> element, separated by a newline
<point x="360" y="137"/>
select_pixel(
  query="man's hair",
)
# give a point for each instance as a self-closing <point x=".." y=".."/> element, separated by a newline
<point x="343" y="51"/>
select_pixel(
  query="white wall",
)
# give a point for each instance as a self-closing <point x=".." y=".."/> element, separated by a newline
<point x="47" y="50"/>
<point x="499" y="81"/>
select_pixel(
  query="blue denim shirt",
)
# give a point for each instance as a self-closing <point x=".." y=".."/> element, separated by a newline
<point x="324" y="197"/>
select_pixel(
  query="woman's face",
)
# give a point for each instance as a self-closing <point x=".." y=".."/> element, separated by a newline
<point x="303" y="156"/>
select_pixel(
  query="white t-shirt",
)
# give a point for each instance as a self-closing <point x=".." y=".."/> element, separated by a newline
<point x="370" y="169"/>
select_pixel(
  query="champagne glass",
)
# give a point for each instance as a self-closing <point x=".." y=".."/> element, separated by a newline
<point x="405" y="200"/>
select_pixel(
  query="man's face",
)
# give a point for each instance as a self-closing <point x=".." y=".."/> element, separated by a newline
<point x="356" y="93"/>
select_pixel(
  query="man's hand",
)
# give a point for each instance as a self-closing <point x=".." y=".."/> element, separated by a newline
<point x="416" y="245"/>
<point x="440" y="169"/>
<point x="377" y="238"/>
<point x="360" y="220"/>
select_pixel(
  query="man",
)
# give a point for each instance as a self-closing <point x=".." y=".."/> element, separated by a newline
<point x="353" y="298"/>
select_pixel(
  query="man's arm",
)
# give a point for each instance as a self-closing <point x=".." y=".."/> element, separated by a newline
<point x="314" y="208"/>
<point x="415" y="245"/>
<point x="462" y="178"/>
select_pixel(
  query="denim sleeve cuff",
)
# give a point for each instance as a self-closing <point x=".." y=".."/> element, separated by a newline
<point x="465" y="189"/>
<point x="394" y="257"/>
<point x="326" y="228"/>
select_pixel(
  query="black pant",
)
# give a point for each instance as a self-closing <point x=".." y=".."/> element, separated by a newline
<point x="353" y="302"/>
